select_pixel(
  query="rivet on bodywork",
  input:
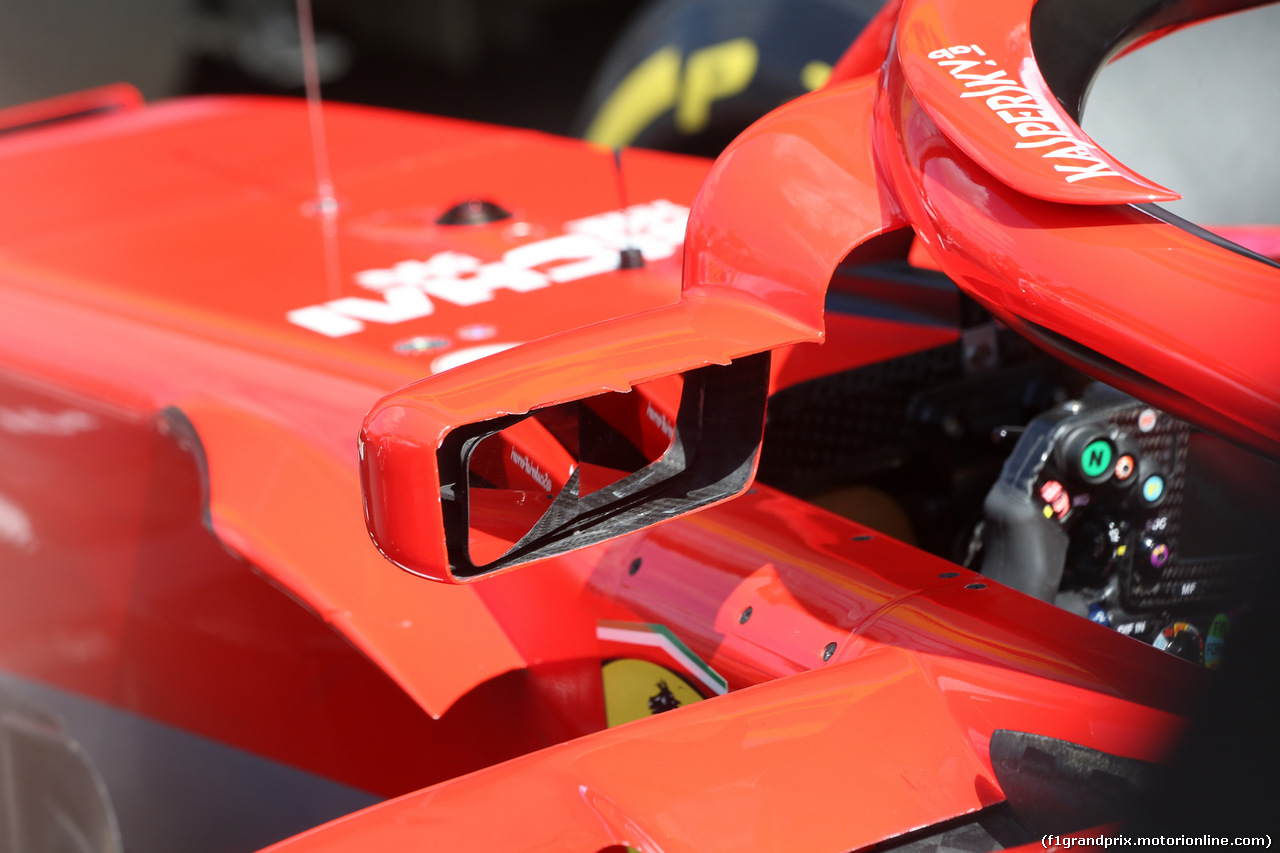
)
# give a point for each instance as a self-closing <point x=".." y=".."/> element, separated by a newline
<point x="828" y="651"/>
<point x="949" y="575"/>
<point x="975" y="586"/>
<point x="635" y="566"/>
<point x="473" y="211"/>
<point x="420" y="344"/>
<point x="746" y="614"/>
<point x="863" y="537"/>
<point x="630" y="259"/>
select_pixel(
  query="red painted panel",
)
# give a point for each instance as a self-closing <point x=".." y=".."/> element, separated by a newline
<point x="114" y="589"/>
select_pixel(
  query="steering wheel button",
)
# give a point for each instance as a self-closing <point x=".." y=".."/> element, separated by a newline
<point x="1154" y="555"/>
<point x="1095" y="459"/>
<point x="1050" y="490"/>
<point x="1159" y="556"/>
<point x="1153" y="488"/>
<point x="1125" y="466"/>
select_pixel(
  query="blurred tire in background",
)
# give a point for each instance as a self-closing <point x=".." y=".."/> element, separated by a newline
<point x="690" y="75"/>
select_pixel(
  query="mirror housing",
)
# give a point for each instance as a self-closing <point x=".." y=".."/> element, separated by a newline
<point x="418" y="445"/>
<point x="712" y="457"/>
<point x="713" y="453"/>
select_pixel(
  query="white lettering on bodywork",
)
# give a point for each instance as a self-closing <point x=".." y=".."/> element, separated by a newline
<point x="535" y="473"/>
<point x="1036" y="122"/>
<point x="656" y="229"/>
<point x="15" y="527"/>
<point x="661" y="421"/>
<point x="32" y="421"/>
<point x="589" y="247"/>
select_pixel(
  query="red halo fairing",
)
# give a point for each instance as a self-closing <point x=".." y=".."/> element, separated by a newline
<point x="1186" y="322"/>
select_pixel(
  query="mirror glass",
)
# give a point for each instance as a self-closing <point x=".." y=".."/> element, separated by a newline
<point x="527" y="479"/>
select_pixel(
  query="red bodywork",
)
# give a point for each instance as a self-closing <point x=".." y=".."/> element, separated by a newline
<point x="184" y="536"/>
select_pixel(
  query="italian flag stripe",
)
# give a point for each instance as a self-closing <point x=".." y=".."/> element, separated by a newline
<point x="659" y="636"/>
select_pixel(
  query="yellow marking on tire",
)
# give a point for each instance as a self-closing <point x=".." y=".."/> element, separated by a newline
<point x="647" y="92"/>
<point x="712" y="74"/>
<point x="815" y="74"/>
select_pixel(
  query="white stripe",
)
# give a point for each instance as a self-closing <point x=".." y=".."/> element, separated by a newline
<point x="661" y="641"/>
